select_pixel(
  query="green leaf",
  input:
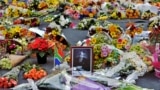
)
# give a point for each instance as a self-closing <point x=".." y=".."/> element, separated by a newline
<point x="41" y="54"/>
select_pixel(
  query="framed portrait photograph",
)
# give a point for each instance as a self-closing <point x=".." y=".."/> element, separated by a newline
<point x="81" y="60"/>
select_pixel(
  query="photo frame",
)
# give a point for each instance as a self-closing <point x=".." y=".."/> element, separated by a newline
<point x="81" y="60"/>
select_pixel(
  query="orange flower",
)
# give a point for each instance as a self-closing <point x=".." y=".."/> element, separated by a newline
<point x="139" y="30"/>
<point x="99" y="29"/>
<point x="112" y="28"/>
<point x="124" y="42"/>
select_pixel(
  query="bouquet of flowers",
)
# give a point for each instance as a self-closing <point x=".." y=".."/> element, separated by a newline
<point x="32" y="71"/>
<point x="17" y="31"/>
<point x="117" y="15"/>
<point x="10" y="61"/>
<point x="106" y="55"/>
<point x="15" y="12"/>
<point x="52" y="30"/>
<point x="32" y="22"/>
<point x="102" y="16"/>
<point x="130" y="65"/>
<point x="96" y="29"/>
<point x="147" y="15"/>
<point x="10" y="79"/>
<point x="115" y="31"/>
<point x="154" y="34"/>
<point x="85" y="24"/>
<point x="40" y="45"/>
<point x="122" y="42"/>
<point x="14" y="47"/>
<point x="133" y="29"/>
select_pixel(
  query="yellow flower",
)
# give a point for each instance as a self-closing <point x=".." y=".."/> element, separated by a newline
<point x="8" y="11"/>
<point x="17" y="28"/>
<point x="102" y="18"/>
<point x="93" y="40"/>
<point x="21" y="4"/>
<point x="54" y="32"/>
<point x="91" y="15"/>
<point x="16" y="13"/>
<point x="14" y="2"/>
<point x="113" y="34"/>
<point x="124" y="42"/>
<point x="53" y="2"/>
<point x="119" y="46"/>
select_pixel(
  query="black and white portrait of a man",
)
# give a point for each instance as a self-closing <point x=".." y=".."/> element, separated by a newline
<point x="82" y="59"/>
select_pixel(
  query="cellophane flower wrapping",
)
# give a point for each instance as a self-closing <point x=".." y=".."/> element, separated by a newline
<point x="13" y="73"/>
<point x="139" y="68"/>
<point x="61" y="80"/>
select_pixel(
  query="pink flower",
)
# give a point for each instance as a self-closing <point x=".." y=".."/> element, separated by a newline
<point x="69" y="11"/>
<point x="72" y="25"/>
<point x="76" y="16"/>
<point x="88" y="42"/>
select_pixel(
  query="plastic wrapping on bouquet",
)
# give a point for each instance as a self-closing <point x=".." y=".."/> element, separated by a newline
<point x="157" y="72"/>
<point x="156" y="61"/>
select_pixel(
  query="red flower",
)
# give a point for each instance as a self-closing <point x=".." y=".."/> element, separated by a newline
<point x="39" y="44"/>
<point x="119" y="40"/>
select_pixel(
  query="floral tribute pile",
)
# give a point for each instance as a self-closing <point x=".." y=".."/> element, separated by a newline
<point x="29" y="27"/>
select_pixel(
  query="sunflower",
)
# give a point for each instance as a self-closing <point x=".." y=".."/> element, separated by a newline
<point x="113" y="34"/>
<point x="93" y="40"/>
<point x="124" y="42"/>
<point x="119" y="46"/>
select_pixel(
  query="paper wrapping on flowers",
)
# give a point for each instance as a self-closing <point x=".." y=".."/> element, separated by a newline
<point x="14" y="72"/>
<point x="146" y="7"/>
<point x="99" y="76"/>
<point x="64" y="81"/>
<point x="111" y="71"/>
<point x="129" y="58"/>
<point x="94" y="29"/>
<point x="57" y="21"/>
<point x="85" y="23"/>
<point x="54" y="33"/>
<point x="11" y="60"/>
<point x="16" y="59"/>
<point x="114" y="83"/>
<point x="143" y="50"/>
<point x="11" y="77"/>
